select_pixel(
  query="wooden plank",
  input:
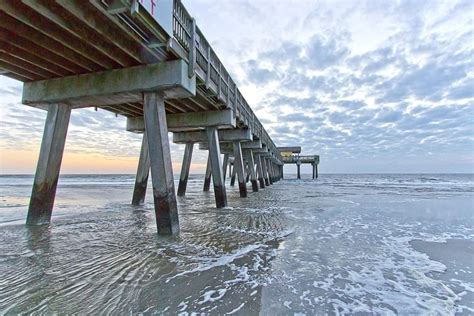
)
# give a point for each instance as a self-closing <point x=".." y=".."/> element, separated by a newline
<point x="25" y="49"/>
<point x="68" y="22"/>
<point x="25" y="31"/>
<point x="84" y="11"/>
<point x="25" y="65"/>
<point x="22" y="13"/>
<point x="19" y="71"/>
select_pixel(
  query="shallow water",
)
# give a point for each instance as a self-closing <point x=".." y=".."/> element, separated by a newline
<point x="342" y="244"/>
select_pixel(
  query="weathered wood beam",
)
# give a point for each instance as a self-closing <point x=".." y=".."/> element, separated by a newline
<point x="35" y="20"/>
<point x="112" y="86"/>
<point x="62" y="18"/>
<point x="25" y="31"/>
<point x="84" y="12"/>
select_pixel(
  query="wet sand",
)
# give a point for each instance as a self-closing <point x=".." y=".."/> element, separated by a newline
<point x="345" y="244"/>
<point x="458" y="257"/>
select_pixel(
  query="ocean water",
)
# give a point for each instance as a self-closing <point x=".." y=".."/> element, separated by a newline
<point x="344" y="244"/>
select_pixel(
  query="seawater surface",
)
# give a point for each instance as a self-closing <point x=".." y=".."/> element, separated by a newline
<point x="381" y="244"/>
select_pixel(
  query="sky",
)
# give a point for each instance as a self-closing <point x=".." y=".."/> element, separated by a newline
<point x="370" y="86"/>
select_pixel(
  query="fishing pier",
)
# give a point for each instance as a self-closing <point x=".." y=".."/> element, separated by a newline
<point x="146" y="60"/>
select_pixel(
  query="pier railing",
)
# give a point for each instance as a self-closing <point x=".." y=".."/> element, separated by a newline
<point x="301" y="158"/>
<point x="205" y="63"/>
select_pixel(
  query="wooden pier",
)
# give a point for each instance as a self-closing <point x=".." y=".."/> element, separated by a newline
<point x="146" y="60"/>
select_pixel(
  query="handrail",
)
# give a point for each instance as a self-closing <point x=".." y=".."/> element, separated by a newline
<point x="215" y="74"/>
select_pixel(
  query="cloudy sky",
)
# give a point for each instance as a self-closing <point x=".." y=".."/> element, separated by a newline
<point x="370" y="86"/>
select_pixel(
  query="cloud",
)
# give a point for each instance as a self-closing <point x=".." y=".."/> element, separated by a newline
<point x="351" y="80"/>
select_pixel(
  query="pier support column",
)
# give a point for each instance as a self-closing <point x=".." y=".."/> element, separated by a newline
<point x="298" y="166"/>
<point x="316" y="170"/>
<point x="49" y="164"/>
<point x="239" y="166"/>
<point x="253" y="174"/>
<point x="207" y="176"/>
<point x="216" y="167"/>
<point x="260" y="171"/>
<point x="247" y="171"/>
<point x="282" y="174"/>
<point x="265" y="171"/>
<point x="143" y="170"/>
<point x="224" y="165"/>
<point x="274" y="173"/>
<point x="269" y="170"/>
<point x="234" y="173"/>
<point x="183" y="178"/>
<point x="166" y="208"/>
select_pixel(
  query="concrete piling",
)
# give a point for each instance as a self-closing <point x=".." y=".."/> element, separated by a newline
<point x="267" y="171"/>
<point x="239" y="166"/>
<point x="49" y="164"/>
<point x="260" y="172"/>
<point x="216" y="167"/>
<point x="207" y="176"/>
<point x="166" y="208"/>
<point x="143" y="170"/>
<point x="234" y="173"/>
<point x="298" y="165"/>
<point x="183" y="179"/>
<point x="252" y="170"/>
<point x="225" y="162"/>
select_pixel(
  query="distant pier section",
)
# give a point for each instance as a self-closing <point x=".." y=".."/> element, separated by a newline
<point x="292" y="155"/>
<point x="145" y="60"/>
